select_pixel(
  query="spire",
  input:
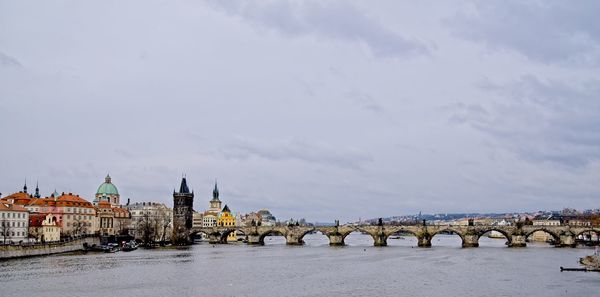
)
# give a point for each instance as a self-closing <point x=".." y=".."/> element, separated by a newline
<point x="107" y="179"/>
<point x="37" y="190"/>
<point x="184" y="187"/>
<point x="226" y="209"/>
<point x="216" y="192"/>
<point x="25" y="187"/>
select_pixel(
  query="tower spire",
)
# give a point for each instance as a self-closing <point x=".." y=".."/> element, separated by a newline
<point x="184" y="187"/>
<point x="25" y="187"/>
<point x="216" y="191"/>
<point x="37" y="190"/>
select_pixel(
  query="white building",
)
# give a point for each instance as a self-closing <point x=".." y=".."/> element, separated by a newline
<point x="157" y="214"/>
<point x="14" y="223"/>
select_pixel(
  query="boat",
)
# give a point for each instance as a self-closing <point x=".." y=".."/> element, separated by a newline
<point x="129" y="246"/>
<point x="110" y="248"/>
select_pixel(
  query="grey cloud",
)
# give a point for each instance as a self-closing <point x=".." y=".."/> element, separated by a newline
<point x="542" y="121"/>
<point x="6" y="60"/>
<point x="297" y="149"/>
<point x="544" y="31"/>
<point x="365" y="101"/>
<point x="337" y="20"/>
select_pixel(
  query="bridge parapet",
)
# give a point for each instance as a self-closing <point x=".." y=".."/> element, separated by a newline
<point x="516" y="235"/>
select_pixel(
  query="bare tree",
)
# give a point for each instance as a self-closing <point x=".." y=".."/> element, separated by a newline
<point x="145" y="227"/>
<point x="77" y="226"/>
<point x="5" y="229"/>
<point x="165" y="220"/>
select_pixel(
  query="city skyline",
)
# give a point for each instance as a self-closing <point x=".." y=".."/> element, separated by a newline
<point x="334" y="110"/>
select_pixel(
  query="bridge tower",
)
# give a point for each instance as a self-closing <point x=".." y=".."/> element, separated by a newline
<point x="183" y="213"/>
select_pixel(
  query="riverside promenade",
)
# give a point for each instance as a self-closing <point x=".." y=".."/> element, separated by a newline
<point x="41" y="249"/>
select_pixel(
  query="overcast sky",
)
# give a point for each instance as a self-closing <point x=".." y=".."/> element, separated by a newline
<point x="315" y="109"/>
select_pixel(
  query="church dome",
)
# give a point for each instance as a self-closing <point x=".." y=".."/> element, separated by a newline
<point x="107" y="188"/>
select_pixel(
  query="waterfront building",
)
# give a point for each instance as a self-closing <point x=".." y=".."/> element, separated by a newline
<point x="113" y="218"/>
<point x="14" y="223"/>
<point x="197" y="219"/>
<point x="183" y="213"/>
<point x="78" y="214"/>
<point x="226" y="219"/>
<point x="44" y="227"/>
<point x="75" y="215"/>
<point x="209" y="220"/>
<point x="107" y="191"/>
<point x="158" y="215"/>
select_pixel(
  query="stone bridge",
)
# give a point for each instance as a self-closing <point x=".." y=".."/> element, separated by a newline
<point x="564" y="236"/>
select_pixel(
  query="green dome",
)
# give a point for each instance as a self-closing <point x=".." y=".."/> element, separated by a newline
<point x="107" y="188"/>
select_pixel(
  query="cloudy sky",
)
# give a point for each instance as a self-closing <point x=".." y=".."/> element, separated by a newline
<point x="316" y="109"/>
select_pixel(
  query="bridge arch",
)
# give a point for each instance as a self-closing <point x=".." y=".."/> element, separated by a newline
<point x="354" y="241"/>
<point x="194" y="233"/>
<point x="554" y="235"/>
<point x="402" y="237"/>
<point x="504" y="233"/>
<point x="590" y="230"/>
<point x="590" y="240"/>
<point x="271" y="232"/>
<point x="449" y="231"/>
<point x="314" y="234"/>
<point x="224" y="236"/>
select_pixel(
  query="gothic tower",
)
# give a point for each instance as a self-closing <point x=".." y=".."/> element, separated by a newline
<point x="183" y="203"/>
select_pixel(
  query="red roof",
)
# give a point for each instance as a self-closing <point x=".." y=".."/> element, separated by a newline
<point x="12" y="207"/>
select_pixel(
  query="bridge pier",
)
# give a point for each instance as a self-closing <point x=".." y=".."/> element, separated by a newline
<point x="293" y="239"/>
<point x="214" y="238"/>
<point x="254" y="239"/>
<point x="566" y="240"/>
<point x="336" y="239"/>
<point x="380" y="239"/>
<point x="470" y="240"/>
<point x="517" y="241"/>
<point x="424" y="241"/>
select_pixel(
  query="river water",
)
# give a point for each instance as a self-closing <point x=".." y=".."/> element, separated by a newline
<point x="316" y="269"/>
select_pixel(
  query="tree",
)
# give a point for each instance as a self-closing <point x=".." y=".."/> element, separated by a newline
<point x="5" y="229"/>
<point x="165" y="219"/>
<point x="77" y="226"/>
<point x="145" y="227"/>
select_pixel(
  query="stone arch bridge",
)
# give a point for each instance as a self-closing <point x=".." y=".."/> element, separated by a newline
<point x="564" y="236"/>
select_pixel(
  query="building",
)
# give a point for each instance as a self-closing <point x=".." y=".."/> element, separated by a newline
<point x="267" y="219"/>
<point x="209" y="217"/>
<point x="227" y="219"/>
<point x="209" y="220"/>
<point x="14" y="223"/>
<point x="197" y="219"/>
<point x="107" y="191"/>
<point x="152" y="217"/>
<point x="251" y="219"/>
<point x="183" y="213"/>
<point x="113" y="219"/>
<point x="44" y="228"/>
<point x="74" y="214"/>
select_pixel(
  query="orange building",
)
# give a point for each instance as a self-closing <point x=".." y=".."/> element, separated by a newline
<point x="74" y="214"/>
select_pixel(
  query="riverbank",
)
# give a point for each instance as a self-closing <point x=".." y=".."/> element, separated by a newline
<point x="22" y="251"/>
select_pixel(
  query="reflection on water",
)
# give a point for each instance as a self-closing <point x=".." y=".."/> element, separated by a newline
<point x="315" y="269"/>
